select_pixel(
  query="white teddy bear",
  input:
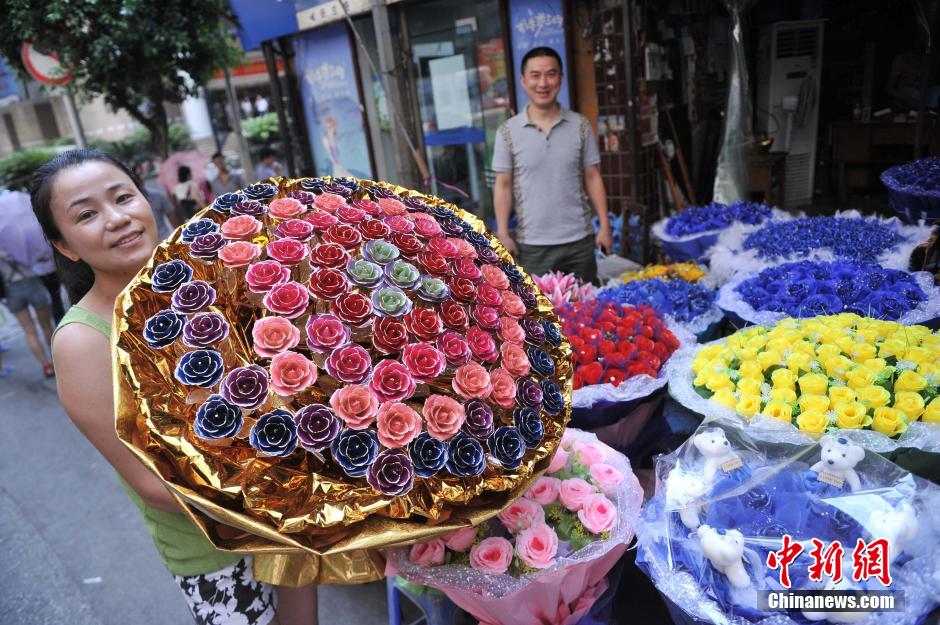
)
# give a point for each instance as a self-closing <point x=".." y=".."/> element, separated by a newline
<point x="837" y="617"/>
<point x="713" y="444"/>
<point x="897" y="525"/>
<point x="838" y="459"/>
<point x="726" y="553"/>
<point x="682" y="489"/>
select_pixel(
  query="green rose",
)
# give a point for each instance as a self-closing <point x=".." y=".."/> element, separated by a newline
<point x="432" y="289"/>
<point x="380" y="251"/>
<point x="404" y="275"/>
<point x="390" y="302"/>
<point x="364" y="273"/>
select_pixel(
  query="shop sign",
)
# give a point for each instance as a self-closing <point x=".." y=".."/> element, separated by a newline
<point x="314" y="13"/>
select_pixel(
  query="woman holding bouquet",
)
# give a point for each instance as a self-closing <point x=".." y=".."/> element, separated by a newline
<point x="96" y="215"/>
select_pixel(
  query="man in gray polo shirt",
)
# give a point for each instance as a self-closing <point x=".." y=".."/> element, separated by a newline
<point x="547" y="170"/>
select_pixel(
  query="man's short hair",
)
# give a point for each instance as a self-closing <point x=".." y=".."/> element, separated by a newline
<point x="217" y="155"/>
<point x="267" y="152"/>
<point x="541" y="51"/>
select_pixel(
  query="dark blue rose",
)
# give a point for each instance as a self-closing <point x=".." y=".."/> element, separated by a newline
<point x="349" y="183"/>
<point x="843" y="524"/>
<point x="202" y="367"/>
<point x="772" y="530"/>
<point x="529" y="424"/>
<point x="488" y="255"/>
<point x="683" y="301"/>
<point x="525" y="294"/>
<point x="552" y="333"/>
<point x="428" y="455"/>
<point x="552" y="399"/>
<point x="355" y="450"/>
<point x="336" y="188"/>
<point x="821" y="305"/>
<point x="216" y="418"/>
<point x="195" y="228"/>
<point x="226" y="202"/>
<point x="274" y="434"/>
<point x="252" y="208"/>
<point x="260" y="191"/>
<point x="534" y="332"/>
<point x="441" y="212"/>
<point x="859" y="239"/>
<point x="168" y="276"/>
<point x="415" y="204"/>
<point x="476" y="238"/>
<point x="541" y="362"/>
<point x="507" y="446"/>
<point x="451" y="226"/>
<point x="304" y="197"/>
<point x="757" y="498"/>
<point x="715" y="216"/>
<point x="465" y="457"/>
<point x="314" y="185"/>
<point x="193" y="297"/>
<point x="381" y="193"/>
<point x="479" y="421"/>
<point x="392" y="473"/>
<point x="163" y="328"/>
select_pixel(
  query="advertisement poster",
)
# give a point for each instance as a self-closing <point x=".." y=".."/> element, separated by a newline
<point x="331" y="103"/>
<point x="9" y="89"/>
<point x="537" y="23"/>
<point x="491" y="61"/>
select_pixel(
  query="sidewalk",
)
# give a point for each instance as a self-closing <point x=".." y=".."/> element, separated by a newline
<point x="74" y="549"/>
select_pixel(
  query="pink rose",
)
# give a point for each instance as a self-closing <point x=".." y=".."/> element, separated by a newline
<point x="320" y="220"/>
<point x="489" y="296"/>
<point x="589" y="453"/>
<point x="291" y="373"/>
<point x="350" y="214"/>
<point x="392" y="207"/>
<point x="471" y="381"/>
<point x="545" y="490"/>
<point x="288" y="251"/>
<point x="482" y="345"/>
<point x="537" y="546"/>
<point x="467" y="269"/>
<point x="329" y="202"/>
<point x="495" y="277"/>
<point x="294" y="229"/>
<point x="504" y="388"/>
<point x="510" y="330"/>
<point x="289" y="299"/>
<point x="399" y="224"/>
<point x="444" y="416"/>
<point x="326" y="333"/>
<point x="598" y="514"/>
<point x="521" y="514"/>
<point x="466" y="250"/>
<point x="445" y="247"/>
<point x="424" y="361"/>
<point x="492" y="555"/>
<point x="350" y="363"/>
<point x="515" y="360"/>
<point x="391" y="381"/>
<point x="243" y="227"/>
<point x="266" y="274"/>
<point x="606" y="476"/>
<point x="513" y="305"/>
<point x="425" y="554"/>
<point x="427" y="228"/>
<point x="460" y="540"/>
<point x="239" y="254"/>
<point x="559" y="460"/>
<point x="286" y="208"/>
<point x="486" y="317"/>
<point x="567" y="439"/>
<point x="397" y="424"/>
<point x="356" y="405"/>
<point x="574" y="492"/>
<point x="273" y="335"/>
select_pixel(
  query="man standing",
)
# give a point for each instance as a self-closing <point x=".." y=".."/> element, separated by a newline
<point x="267" y="166"/>
<point x="225" y="181"/>
<point x="547" y="170"/>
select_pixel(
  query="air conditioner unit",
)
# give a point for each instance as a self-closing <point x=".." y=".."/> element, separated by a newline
<point x="789" y="73"/>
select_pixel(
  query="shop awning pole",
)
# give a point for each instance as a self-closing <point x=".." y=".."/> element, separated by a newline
<point x="243" y="151"/>
<point x="284" y="129"/>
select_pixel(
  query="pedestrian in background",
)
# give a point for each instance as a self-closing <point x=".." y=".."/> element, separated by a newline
<point x="247" y="109"/>
<point x="225" y="181"/>
<point x="267" y="167"/>
<point x="25" y="296"/>
<point x="547" y="171"/>
<point x="261" y="105"/>
<point x="164" y="213"/>
<point x="187" y="196"/>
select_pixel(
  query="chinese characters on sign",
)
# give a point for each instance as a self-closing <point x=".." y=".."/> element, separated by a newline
<point x="537" y="23"/>
<point x="869" y="560"/>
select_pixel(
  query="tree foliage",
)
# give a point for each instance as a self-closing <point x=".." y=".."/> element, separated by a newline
<point x="135" y="53"/>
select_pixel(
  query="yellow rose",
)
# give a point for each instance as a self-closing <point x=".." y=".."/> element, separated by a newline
<point x="797" y="362"/>
<point x="911" y="404"/>
<point x="725" y="397"/>
<point x="862" y="351"/>
<point x="851" y="416"/>
<point x="931" y="369"/>
<point x="778" y="344"/>
<point x="818" y="403"/>
<point x="812" y="421"/>
<point x="827" y="351"/>
<point x="748" y="404"/>
<point x="750" y="386"/>
<point x="750" y="369"/>
<point x="859" y="377"/>
<point x="747" y="354"/>
<point x="756" y="342"/>
<point x="874" y="396"/>
<point x="838" y="366"/>
<point x="784" y="394"/>
<point x="891" y="347"/>
<point x="845" y="343"/>
<point x="778" y="410"/>
<point x="718" y="380"/>
<point x="889" y="421"/>
<point x="875" y="365"/>
<point x="870" y="333"/>
<point x="909" y="381"/>
<point x="783" y="378"/>
<point x="805" y="347"/>
<point x="768" y="359"/>
<point x="699" y="363"/>
<point x="932" y="413"/>
<point x="710" y="351"/>
<point x="813" y="384"/>
<point x="841" y="395"/>
<point x="918" y="354"/>
<point x="701" y="377"/>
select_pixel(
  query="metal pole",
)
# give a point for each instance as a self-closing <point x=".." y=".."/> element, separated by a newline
<point x="930" y="61"/>
<point x="307" y="167"/>
<point x="279" y="106"/>
<point x="72" y="111"/>
<point x="243" y="150"/>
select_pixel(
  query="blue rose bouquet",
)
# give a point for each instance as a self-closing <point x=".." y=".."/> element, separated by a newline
<point x="690" y="304"/>
<point x="914" y="189"/>
<point x="811" y="288"/>
<point x="689" y="234"/>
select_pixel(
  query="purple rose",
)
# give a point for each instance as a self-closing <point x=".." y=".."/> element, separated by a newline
<point x="317" y="426"/>
<point x="253" y="208"/>
<point x="304" y="197"/>
<point x="525" y="294"/>
<point x="246" y="386"/>
<point x="381" y="193"/>
<point x="207" y="246"/>
<point x="528" y="393"/>
<point x="205" y="329"/>
<point x="479" y="422"/>
<point x="534" y="332"/>
<point x="193" y="297"/>
<point x="486" y="254"/>
<point x="415" y="204"/>
<point x="392" y="473"/>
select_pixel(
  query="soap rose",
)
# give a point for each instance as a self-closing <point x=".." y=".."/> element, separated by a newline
<point x="471" y="381"/>
<point x="291" y="373"/>
<point x="433" y="264"/>
<point x="287" y="251"/>
<point x="455" y="348"/>
<point x="397" y="424"/>
<point x="353" y="308"/>
<point x="559" y="461"/>
<point x="495" y="277"/>
<point x="589" y="454"/>
<point x="513" y="305"/>
<point x="427" y="228"/>
<point x="317" y="426"/>
<point x="391" y="381"/>
<point x="263" y="275"/>
<point x="514" y="359"/>
<point x="443" y="415"/>
<point x="329" y="255"/>
<point x="424" y="361"/>
<point x="443" y="247"/>
<point x="462" y="289"/>
<point x="504" y="388"/>
<point x="356" y="405"/>
<point x="424" y="324"/>
<point x="320" y="220"/>
<point x="328" y="284"/>
<point x="510" y="331"/>
<point x="273" y="335"/>
<point x="350" y="214"/>
<point x="486" y="317"/>
<point x="349" y="363"/>
<point x="296" y="229"/>
<point x="482" y="345"/>
<point x="326" y="333"/>
<point x="239" y="254"/>
<point x="347" y="236"/>
<point x="329" y="202"/>
<point x="453" y="315"/>
<point x="289" y="299"/>
<point x="468" y="270"/>
<point x="286" y="208"/>
<point x="373" y="229"/>
<point x="492" y="555"/>
<point x="537" y="546"/>
<point x="392" y="207"/>
<point x="489" y="296"/>
<point x="241" y="228"/>
<point x="389" y="335"/>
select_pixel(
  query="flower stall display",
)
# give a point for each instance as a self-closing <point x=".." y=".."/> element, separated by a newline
<point x="845" y="236"/>
<point x="563" y="288"/>
<point x="810" y="288"/>
<point x="545" y="557"/>
<point x="691" y="304"/>
<point x="690" y="272"/>
<point x="689" y="234"/>
<point x="819" y="375"/>
<point x="914" y="189"/>
<point x="742" y="511"/>
<point x="332" y="363"/>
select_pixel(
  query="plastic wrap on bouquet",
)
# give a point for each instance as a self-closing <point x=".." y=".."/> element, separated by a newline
<point x="913" y="189"/>
<point x="316" y="365"/>
<point x="841" y="287"/>
<point x="561" y="588"/>
<point x="712" y="537"/>
<point x="689" y="304"/>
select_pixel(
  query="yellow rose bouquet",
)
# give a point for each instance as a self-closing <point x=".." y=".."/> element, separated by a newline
<point x="690" y="272"/>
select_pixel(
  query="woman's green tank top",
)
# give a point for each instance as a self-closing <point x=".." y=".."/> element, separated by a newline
<point x="183" y="548"/>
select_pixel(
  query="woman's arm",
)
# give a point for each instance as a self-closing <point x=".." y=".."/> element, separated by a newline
<point x="83" y="367"/>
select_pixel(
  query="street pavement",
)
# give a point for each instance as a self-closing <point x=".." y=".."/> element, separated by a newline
<point x="73" y="549"/>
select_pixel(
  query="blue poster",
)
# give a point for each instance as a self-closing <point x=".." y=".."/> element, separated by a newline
<point x="9" y="88"/>
<point x="331" y="102"/>
<point x="261" y="20"/>
<point x="535" y="23"/>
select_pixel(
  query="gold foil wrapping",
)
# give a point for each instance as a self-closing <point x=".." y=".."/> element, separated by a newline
<point x="285" y="507"/>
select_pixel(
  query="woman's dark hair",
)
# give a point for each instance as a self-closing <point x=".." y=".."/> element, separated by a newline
<point x="184" y="173"/>
<point x="77" y="276"/>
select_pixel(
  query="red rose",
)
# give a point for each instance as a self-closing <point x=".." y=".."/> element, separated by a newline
<point x="424" y="361"/>
<point x="373" y="229"/>
<point x="642" y="343"/>
<point x="367" y="206"/>
<point x="455" y="347"/>
<point x="454" y="315"/>
<point x="626" y="348"/>
<point x="389" y="335"/>
<point x="408" y="244"/>
<point x="614" y="376"/>
<point x="326" y="332"/>
<point x="391" y="381"/>
<point x="329" y="255"/>
<point x="347" y="236"/>
<point x="287" y="251"/>
<point x="320" y="220"/>
<point x="592" y="373"/>
<point x="328" y="284"/>
<point x="353" y="308"/>
<point x="489" y="296"/>
<point x="486" y="317"/>
<point x="586" y="353"/>
<point x="434" y="264"/>
<point x="590" y="334"/>
<point x="443" y="247"/>
<point x="482" y="345"/>
<point x="349" y="363"/>
<point x="462" y="290"/>
<point x="641" y="369"/>
<point x="578" y="381"/>
<point x="467" y="269"/>
<point x="424" y="324"/>
<point x="289" y="299"/>
<point x="649" y="360"/>
<point x="350" y="215"/>
<point x="660" y="351"/>
<point x="262" y="276"/>
<point x="294" y="229"/>
<point x="606" y="347"/>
